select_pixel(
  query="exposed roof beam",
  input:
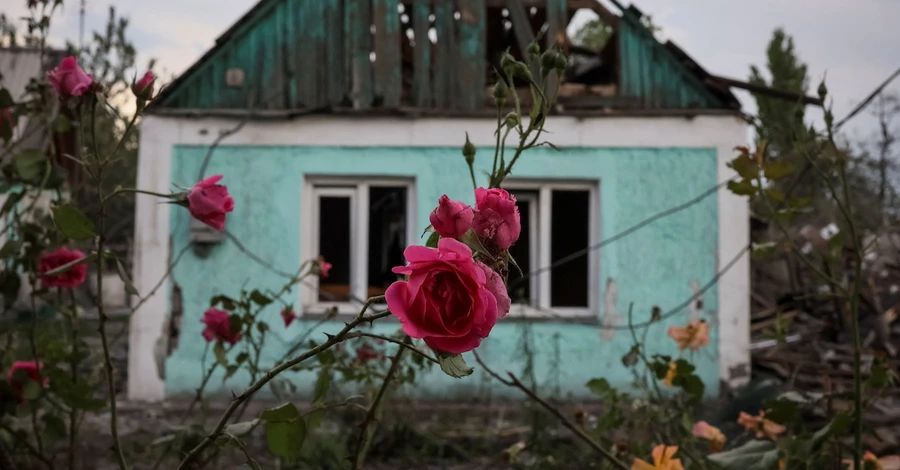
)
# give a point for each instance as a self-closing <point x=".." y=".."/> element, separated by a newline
<point x="764" y="90"/>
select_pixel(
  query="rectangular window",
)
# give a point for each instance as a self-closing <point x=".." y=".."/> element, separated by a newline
<point x="360" y="226"/>
<point x="558" y="221"/>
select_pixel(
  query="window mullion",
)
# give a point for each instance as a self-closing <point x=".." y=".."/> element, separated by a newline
<point x="359" y="255"/>
<point x="543" y="241"/>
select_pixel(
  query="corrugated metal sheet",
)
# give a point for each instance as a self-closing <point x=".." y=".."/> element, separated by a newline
<point x="652" y="75"/>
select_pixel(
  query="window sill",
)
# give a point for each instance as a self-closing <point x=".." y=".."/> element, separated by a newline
<point x="348" y="311"/>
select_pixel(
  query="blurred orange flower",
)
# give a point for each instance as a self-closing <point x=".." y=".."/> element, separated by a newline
<point x="693" y="336"/>
<point x="764" y="428"/>
<point x="871" y="462"/>
<point x="712" y="434"/>
<point x="670" y="375"/>
<point x="662" y="460"/>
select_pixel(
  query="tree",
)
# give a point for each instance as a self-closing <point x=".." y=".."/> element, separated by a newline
<point x="780" y="122"/>
<point x="593" y="35"/>
<point x="111" y="58"/>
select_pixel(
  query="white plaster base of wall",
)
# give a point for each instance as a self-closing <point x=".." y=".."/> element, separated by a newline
<point x="160" y="134"/>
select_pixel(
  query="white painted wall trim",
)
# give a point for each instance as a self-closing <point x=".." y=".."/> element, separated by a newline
<point x="160" y="134"/>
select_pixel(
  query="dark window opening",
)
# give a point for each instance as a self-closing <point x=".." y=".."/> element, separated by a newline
<point x="519" y="288"/>
<point x="387" y="236"/>
<point x="334" y="246"/>
<point x="569" y="232"/>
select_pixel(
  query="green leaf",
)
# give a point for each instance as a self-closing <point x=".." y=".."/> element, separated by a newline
<point x="632" y="356"/>
<point x="781" y="410"/>
<point x="454" y="365"/>
<point x="72" y="223"/>
<point x="240" y="429"/>
<point x="62" y="124"/>
<point x="428" y="229"/>
<point x="281" y="413"/>
<point x="745" y="166"/>
<point x="323" y="382"/>
<point x="433" y="240"/>
<point x="778" y="169"/>
<point x="512" y="261"/>
<point x="763" y="249"/>
<point x="11" y="202"/>
<point x="129" y="287"/>
<point x="221" y="355"/>
<point x="226" y="302"/>
<point x="599" y="387"/>
<point x="243" y="356"/>
<point x="31" y="389"/>
<point x="285" y="439"/>
<point x="260" y="299"/>
<point x="835" y="427"/>
<point x="10" y="282"/>
<point x="755" y="455"/>
<point x="10" y="248"/>
<point x="285" y="430"/>
<point x="742" y="188"/>
<point x="29" y="164"/>
<point x="774" y="194"/>
<point x="6" y="99"/>
<point x="230" y="371"/>
<point x="61" y="269"/>
<point x="880" y="375"/>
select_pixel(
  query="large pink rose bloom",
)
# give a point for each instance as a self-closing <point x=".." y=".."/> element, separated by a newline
<point x="49" y="261"/>
<point x="446" y="300"/>
<point x="496" y="217"/>
<point x="68" y="79"/>
<point x="208" y="202"/>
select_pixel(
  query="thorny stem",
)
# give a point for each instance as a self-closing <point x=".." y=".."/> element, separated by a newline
<point x="365" y="434"/>
<point x="256" y="386"/>
<point x="854" y="314"/>
<point x="101" y="312"/>
<point x="73" y="363"/>
<point x="134" y="190"/>
<point x="403" y="344"/>
<point x="32" y="336"/>
<point x="514" y="382"/>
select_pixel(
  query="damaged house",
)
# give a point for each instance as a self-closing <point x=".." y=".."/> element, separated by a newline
<point x="337" y="125"/>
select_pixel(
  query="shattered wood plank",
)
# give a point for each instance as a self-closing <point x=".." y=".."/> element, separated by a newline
<point x="387" y="52"/>
<point x="358" y="34"/>
<point x="422" y="60"/>
<point x="521" y="24"/>
<point x="335" y="50"/>
<point x="444" y="79"/>
<point x="472" y="38"/>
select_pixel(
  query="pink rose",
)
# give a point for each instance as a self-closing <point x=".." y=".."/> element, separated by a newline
<point x="495" y="285"/>
<point x="30" y="369"/>
<point x="366" y="353"/>
<point x="451" y="218"/>
<point x="208" y="202"/>
<point x="324" y="267"/>
<point x="288" y="315"/>
<point x="74" y="277"/>
<point x="6" y="118"/>
<point x="445" y="300"/>
<point x="68" y="79"/>
<point x="143" y="88"/>
<point x="496" y="217"/>
<point x="218" y="326"/>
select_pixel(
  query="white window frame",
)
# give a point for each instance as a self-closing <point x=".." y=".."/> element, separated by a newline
<point x="540" y="216"/>
<point x="357" y="189"/>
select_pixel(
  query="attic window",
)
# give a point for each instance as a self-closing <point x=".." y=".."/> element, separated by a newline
<point x="234" y="78"/>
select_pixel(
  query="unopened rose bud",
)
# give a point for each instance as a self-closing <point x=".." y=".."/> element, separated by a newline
<point x="507" y="61"/>
<point x="520" y="70"/>
<point x="501" y="92"/>
<point x="468" y="151"/>
<point x="548" y="59"/>
<point x="823" y="90"/>
<point x="511" y="119"/>
<point x="143" y="88"/>
<point x="534" y="50"/>
<point x="561" y="62"/>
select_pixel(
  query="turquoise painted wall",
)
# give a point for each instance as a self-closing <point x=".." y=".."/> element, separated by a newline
<point x="653" y="267"/>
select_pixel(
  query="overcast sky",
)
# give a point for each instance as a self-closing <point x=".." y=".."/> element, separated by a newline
<point x="854" y="44"/>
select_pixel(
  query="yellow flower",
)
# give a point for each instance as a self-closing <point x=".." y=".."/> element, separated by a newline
<point x="712" y="434"/>
<point x="662" y="460"/>
<point x="670" y="375"/>
<point x="693" y="336"/>
<point x="764" y="428"/>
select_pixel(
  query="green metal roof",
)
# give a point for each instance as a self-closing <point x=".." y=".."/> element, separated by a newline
<point x="308" y="55"/>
